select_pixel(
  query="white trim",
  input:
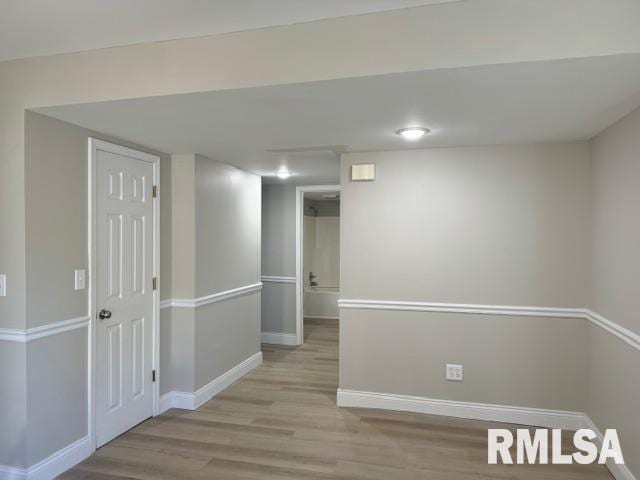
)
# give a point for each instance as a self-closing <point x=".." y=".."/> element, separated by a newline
<point x="631" y="338"/>
<point x="214" y="297"/>
<point x="476" y="411"/>
<point x="192" y="401"/>
<point x="619" y="472"/>
<point x="624" y="334"/>
<point x="93" y="146"/>
<point x="461" y="308"/>
<point x="23" y="336"/>
<point x="53" y="465"/>
<point x="274" y="338"/>
<point x="166" y="303"/>
<point x="166" y="402"/>
<point x="481" y="411"/>
<point x="275" y="279"/>
<point x="300" y="191"/>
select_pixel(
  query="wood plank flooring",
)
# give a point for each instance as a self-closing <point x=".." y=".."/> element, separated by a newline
<point x="281" y="422"/>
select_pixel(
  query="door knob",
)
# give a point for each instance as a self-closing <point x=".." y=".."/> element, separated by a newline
<point x="104" y="314"/>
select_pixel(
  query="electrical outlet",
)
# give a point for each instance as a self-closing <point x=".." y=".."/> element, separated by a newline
<point x="3" y="285"/>
<point x="454" y="372"/>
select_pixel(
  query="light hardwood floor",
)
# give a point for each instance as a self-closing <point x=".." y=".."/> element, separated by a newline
<point x="281" y="421"/>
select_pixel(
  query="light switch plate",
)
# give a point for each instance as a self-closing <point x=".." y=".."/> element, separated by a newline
<point x="454" y="372"/>
<point x="3" y="285"/>
<point x="80" y="282"/>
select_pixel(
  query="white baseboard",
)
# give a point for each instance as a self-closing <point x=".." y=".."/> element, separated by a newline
<point x="481" y="411"/>
<point x="53" y="465"/>
<point x="321" y="317"/>
<point x="192" y="401"/>
<point x="619" y="472"/>
<point x="166" y="402"/>
<point x="273" y="338"/>
<point x="12" y="473"/>
<point x="474" y="411"/>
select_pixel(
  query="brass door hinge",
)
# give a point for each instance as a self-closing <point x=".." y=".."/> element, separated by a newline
<point x="154" y="283"/>
<point x="155" y="191"/>
<point x="153" y="375"/>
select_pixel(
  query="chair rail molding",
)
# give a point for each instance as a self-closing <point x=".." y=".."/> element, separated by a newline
<point x="624" y="334"/>
<point x="214" y="297"/>
<point x="278" y="279"/>
<point x="55" y="328"/>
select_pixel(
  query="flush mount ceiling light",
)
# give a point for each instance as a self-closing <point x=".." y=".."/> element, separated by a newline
<point x="412" y="133"/>
<point x="284" y="174"/>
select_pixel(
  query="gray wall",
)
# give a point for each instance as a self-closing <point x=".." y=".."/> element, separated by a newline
<point x="56" y="393"/>
<point x="13" y="398"/>
<point x="216" y="247"/>
<point x="278" y="309"/>
<point x="279" y="230"/>
<point x="56" y="232"/>
<point x="522" y="361"/>
<point x="614" y="392"/>
<point x="279" y="257"/>
<point x="183" y="226"/>
<point x="228" y="206"/>
<point x="277" y="56"/>
<point x="489" y="225"/>
<point x="226" y="334"/>
<point x="54" y="378"/>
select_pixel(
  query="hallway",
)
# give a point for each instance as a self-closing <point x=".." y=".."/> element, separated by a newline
<point x="280" y="421"/>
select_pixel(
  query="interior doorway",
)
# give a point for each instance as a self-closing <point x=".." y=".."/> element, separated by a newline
<point x="317" y="254"/>
<point x="124" y="246"/>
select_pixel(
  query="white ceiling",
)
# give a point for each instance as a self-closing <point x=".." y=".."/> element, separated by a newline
<point x="515" y="103"/>
<point x="42" y="27"/>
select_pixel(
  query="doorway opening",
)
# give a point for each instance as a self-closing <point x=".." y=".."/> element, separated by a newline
<point x="317" y="254"/>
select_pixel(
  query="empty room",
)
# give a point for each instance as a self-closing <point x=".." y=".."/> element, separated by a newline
<point x="320" y="239"/>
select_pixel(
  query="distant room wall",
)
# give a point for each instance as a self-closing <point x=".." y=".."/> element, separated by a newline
<point x="279" y="258"/>
<point x="613" y="398"/>
<point x="504" y="225"/>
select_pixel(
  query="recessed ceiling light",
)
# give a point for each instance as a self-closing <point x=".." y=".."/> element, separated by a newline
<point x="412" y="133"/>
<point x="283" y="174"/>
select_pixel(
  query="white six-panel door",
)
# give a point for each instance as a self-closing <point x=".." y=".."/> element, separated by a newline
<point x="123" y="292"/>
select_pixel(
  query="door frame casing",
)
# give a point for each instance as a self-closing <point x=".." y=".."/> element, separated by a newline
<point x="94" y="145"/>
<point x="300" y="191"/>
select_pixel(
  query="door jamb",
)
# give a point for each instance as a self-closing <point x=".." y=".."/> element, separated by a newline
<point x="94" y="145"/>
<point x="300" y="191"/>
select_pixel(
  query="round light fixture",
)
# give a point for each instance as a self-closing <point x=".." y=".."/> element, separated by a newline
<point x="412" y="133"/>
<point x="284" y="174"/>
